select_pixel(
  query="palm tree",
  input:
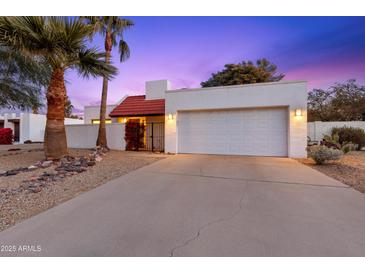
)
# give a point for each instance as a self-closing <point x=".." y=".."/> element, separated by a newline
<point x="61" y="42"/>
<point x="112" y="28"/>
<point x="22" y="80"/>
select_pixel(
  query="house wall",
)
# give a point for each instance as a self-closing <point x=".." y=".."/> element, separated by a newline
<point x="155" y="119"/>
<point x="156" y="89"/>
<point x="289" y="94"/>
<point x="93" y="112"/>
<point x="32" y="126"/>
<point x="316" y="130"/>
<point x="84" y="136"/>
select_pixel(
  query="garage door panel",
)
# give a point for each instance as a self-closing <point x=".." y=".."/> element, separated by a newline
<point x="260" y="132"/>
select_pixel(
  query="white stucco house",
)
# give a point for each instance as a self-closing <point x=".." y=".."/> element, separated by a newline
<point x="28" y="126"/>
<point x="266" y="119"/>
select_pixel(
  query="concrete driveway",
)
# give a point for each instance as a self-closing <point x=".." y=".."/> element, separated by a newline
<point x="199" y="205"/>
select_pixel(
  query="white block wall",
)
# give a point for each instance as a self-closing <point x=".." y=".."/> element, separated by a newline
<point x="32" y="126"/>
<point x="316" y="130"/>
<point x="84" y="136"/>
<point x="292" y="95"/>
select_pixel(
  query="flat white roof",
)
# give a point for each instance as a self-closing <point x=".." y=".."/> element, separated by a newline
<point x="237" y="86"/>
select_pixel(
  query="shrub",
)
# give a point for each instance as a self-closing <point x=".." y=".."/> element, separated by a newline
<point x="134" y="135"/>
<point x="333" y="141"/>
<point x="321" y="154"/>
<point x="6" y="136"/>
<point x="354" y="135"/>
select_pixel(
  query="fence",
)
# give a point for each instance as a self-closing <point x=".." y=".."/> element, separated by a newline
<point x="84" y="136"/>
<point x="316" y="130"/>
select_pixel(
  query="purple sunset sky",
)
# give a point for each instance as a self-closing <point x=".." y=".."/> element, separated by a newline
<point x="186" y="50"/>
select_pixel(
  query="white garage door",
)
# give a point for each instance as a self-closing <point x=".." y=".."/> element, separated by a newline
<point x="260" y="132"/>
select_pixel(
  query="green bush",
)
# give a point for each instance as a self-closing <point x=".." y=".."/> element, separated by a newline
<point x="353" y="135"/>
<point x="333" y="141"/>
<point x="321" y="154"/>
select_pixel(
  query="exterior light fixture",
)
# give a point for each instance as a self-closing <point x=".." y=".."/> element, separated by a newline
<point x="170" y="117"/>
<point x="298" y="112"/>
<point x="124" y="120"/>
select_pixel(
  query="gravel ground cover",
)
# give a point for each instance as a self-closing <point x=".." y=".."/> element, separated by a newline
<point x="18" y="201"/>
<point x="350" y="170"/>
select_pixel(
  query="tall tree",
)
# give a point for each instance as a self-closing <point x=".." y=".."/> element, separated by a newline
<point x="61" y="42"/>
<point x="340" y="102"/>
<point x="22" y="80"/>
<point x="112" y="28"/>
<point x="245" y="72"/>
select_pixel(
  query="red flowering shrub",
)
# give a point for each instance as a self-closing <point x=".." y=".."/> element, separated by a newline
<point x="134" y="135"/>
<point x="6" y="136"/>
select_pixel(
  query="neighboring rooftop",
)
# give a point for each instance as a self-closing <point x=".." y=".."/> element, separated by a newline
<point x="139" y="106"/>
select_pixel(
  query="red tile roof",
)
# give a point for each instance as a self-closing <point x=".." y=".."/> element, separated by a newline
<point x="138" y="105"/>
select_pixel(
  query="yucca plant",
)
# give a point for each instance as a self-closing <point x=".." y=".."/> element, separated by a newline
<point x="112" y="29"/>
<point x="61" y="43"/>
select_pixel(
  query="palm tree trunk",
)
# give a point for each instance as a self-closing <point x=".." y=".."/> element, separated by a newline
<point x="102" y="141"/>
<point x="55" y="143"/>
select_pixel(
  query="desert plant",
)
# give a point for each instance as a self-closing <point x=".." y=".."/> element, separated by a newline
<point x="6" y="136"/>
<point x="321" y="154"/>
<point x="134" y="135"/>
<point x="333" y="141"/>
<point x="354" y="135"/>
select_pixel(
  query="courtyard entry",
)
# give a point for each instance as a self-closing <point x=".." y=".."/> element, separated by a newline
<point x="143" y="136"/>
<point x="155" y="136"/>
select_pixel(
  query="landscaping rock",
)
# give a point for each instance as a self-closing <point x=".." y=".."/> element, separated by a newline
<point x="32" y="167"/>
<point x="14" y="149"/>
<point x="35" y="189"/>
<point x="91" y="163"/>
<point x="11" y="172"/>
<point x="46" y="164"/>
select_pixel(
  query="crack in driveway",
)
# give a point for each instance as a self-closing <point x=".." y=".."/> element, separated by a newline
<point x="251" y="180"/>
<point x="224" y="219"/>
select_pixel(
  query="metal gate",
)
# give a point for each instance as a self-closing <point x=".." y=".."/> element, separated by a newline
<point x="155" y="136"/>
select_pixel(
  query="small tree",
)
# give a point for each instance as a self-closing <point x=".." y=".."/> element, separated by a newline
<point x="340" y="102"/>
<point x="244" y="73"/>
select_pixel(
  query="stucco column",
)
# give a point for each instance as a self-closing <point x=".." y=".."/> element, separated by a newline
<point x="297" y="133"/>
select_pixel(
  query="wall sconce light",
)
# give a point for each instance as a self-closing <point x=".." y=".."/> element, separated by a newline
<point x="170" y="117"/>
<point x="124" y="120"/>
<point x="298" y="112"/>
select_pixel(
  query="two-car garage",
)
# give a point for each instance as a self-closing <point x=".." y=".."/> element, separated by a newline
<point x="266" y="119"/>
<point x="252" y="131"/>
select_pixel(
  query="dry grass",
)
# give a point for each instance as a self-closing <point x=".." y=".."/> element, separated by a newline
<point x="350" y="170"/>
<point x="18" y="205"/>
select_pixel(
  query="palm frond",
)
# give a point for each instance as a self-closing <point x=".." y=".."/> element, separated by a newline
<point x="96" y="22"/>
<point x="124" y="50"/>
<point x="90" y="63"/>
<point x="22" y="80"/>
<point x="115" y="26"/>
